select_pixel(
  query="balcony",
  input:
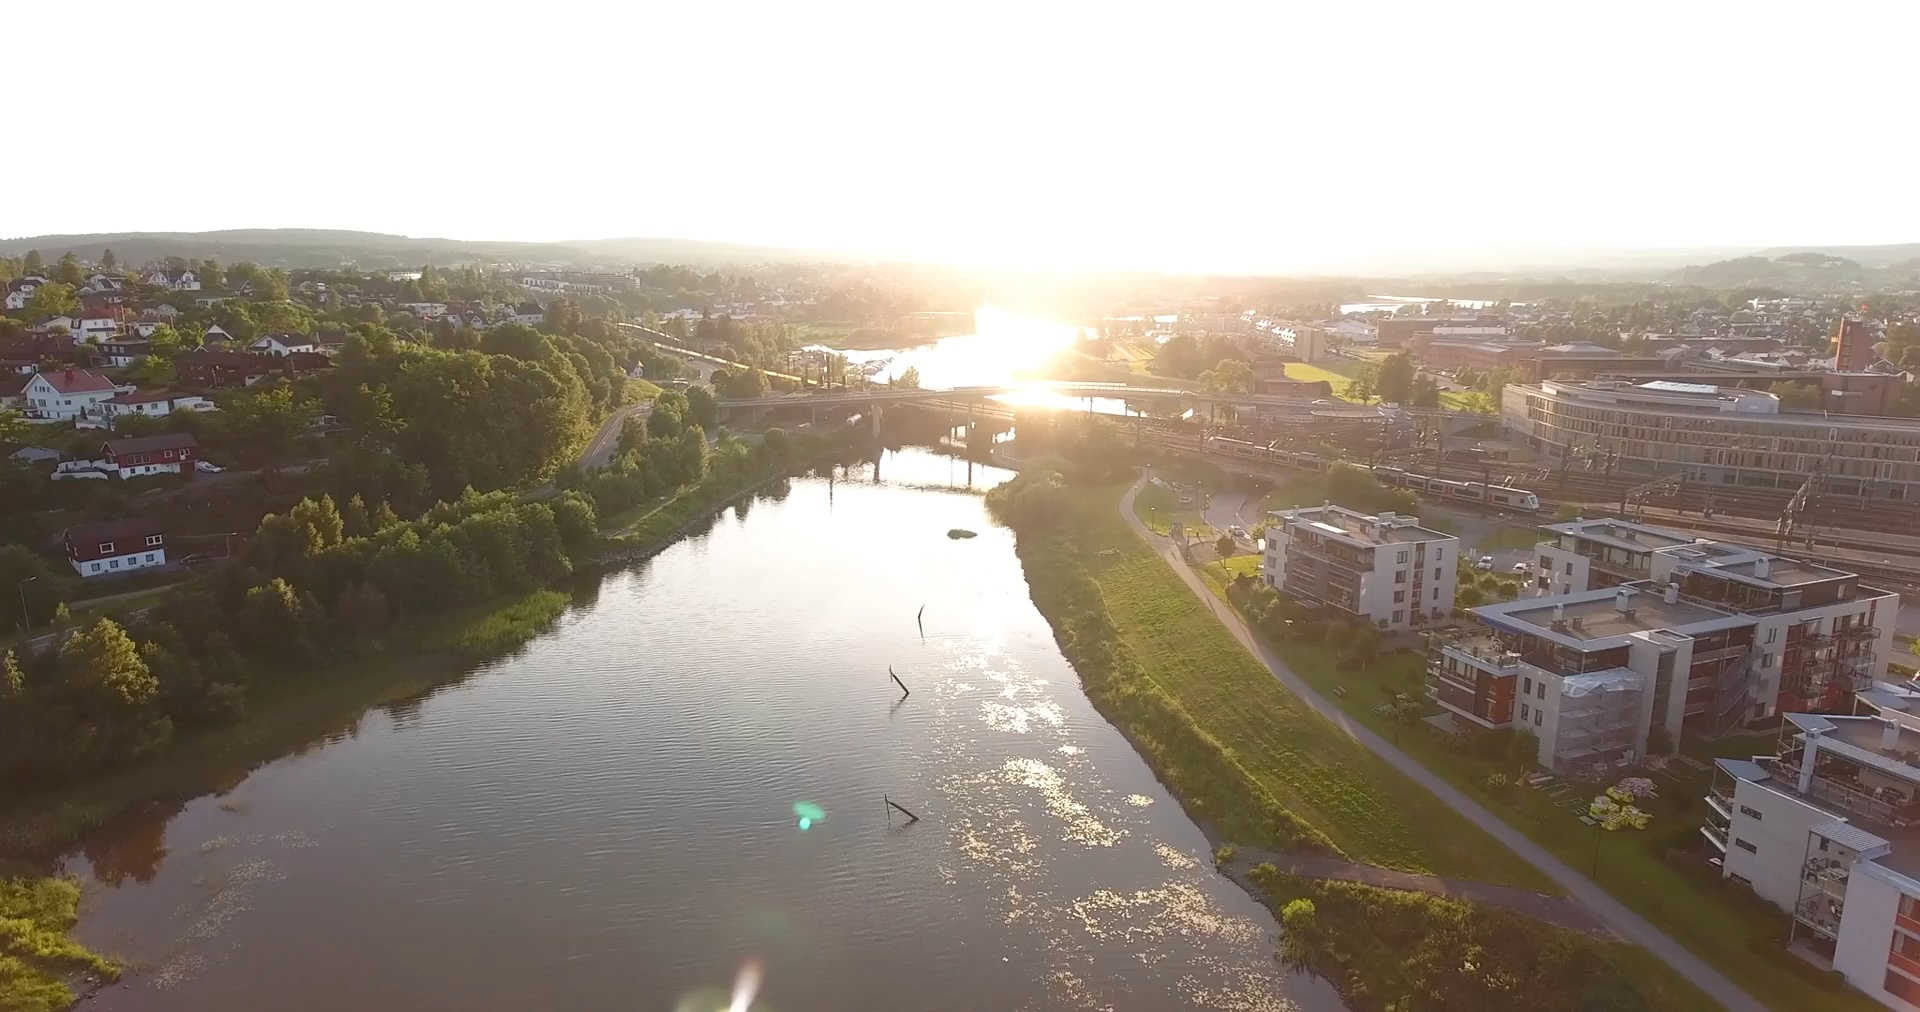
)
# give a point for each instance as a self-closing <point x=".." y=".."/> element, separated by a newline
<point x="1858" y="632"/>
<point x="1715" y="835"/>
<point x="1720" y="800"/>
<point x="1910" y="925"/>
<point x="1821" y="913"/>
<point x="1490" y="656"/>
<point x="1438" y="671"/>
<point x="1904" y="963"/>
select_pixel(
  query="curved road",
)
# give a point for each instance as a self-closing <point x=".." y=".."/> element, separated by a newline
<point x="1610" y="911"/>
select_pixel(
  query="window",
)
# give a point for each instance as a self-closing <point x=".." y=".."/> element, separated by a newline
<point x="95" y="569"/>
<point x="1400" y="577"/>
<point x="1540" y="689"/>
<point x="1902" y="988"/>
<point x="1399" y="596"/>
<point x="1526" y="686"/>
<point x="113" y="563"/>
<point x="1525" y="711"/>
<point x="152" y="540"/>
<point x="1436" y="593"/>
<point x="1771" y="633"/>
<point x="1569" y="569"/>
<point x="1402" y="557"/>
<point x="1766" y="660"/>
<point x="1399" y="616"/>
<point x="1537" y="714"/>
<point x="1436" y="572"/>
<point x="1546" y="564"/>
<point x="106" y="548"/>
<point x="1440" y="553"/>
<point x="1748" y="847"/>
<point x="1754" y="814"/>
<point x="149" y="556"/>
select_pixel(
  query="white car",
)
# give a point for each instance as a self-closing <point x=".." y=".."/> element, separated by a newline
<point x="1521" y="567"/>
<point x="1486" y="562"/>
<point x="1237" y="532"/>
<point x="206" y="468"/>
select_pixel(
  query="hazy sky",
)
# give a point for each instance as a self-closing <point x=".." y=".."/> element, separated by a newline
<point x="1264" y="135"/>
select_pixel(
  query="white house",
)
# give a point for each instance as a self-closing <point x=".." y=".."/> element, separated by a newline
<point x="155" y="404"/>
<point x="118" y="546"/>
<point x="19" y="290"/>
<point x="528" y="313"/>
<point x="68" y="393"/>
<point x="281" y="345"/>
<point x="92" y="326"/>
<point x="121" y="352"/>
<point x="170" y="453"/>
<point x="179" y="281"/>
<point x="425" y="310"/>
<point x="215" y="334"/>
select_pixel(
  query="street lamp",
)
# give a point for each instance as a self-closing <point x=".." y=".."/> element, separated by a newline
<point x="24" y="617"/>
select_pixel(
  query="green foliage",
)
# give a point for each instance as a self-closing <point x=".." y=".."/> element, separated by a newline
<point x="1229" y="376"/>
<point x="776" y="441"/>
<point x="26" y="573"/>
<point x="35" y="952"/>
<point x="1798" y="396"/>
<point x="1523" y="751"/>
<point x="1225" y="853"/>
<point x="52" y="299"/>
<point x="1388" y="950"/>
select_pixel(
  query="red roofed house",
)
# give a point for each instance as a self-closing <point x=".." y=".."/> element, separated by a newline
<point x="66" y="394"/>
<point x="116" y="546"/>
<point x="142" y="455"/>
<point x="212" y="367"/>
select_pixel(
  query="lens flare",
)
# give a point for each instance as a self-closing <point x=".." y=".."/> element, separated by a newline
<point x="745" y="986"/>
<point x="808" y="813"/>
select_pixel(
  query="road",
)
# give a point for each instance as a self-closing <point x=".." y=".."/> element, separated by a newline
<point x="1610" y="911"/>
<point x="603" y="443"/>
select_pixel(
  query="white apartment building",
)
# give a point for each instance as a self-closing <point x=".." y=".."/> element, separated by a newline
<point x="1828" y="830"/>
<point x="1798" y="609"/>
<point x="1386" y="568"/>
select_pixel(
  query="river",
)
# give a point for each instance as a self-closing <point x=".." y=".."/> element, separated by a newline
<point x="682" y="786"/>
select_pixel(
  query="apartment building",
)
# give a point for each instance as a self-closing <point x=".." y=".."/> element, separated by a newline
<point x="1716" y="636"/>
<point x="1386" y="568"/>
<point x="1818" y="634"/>
<point x="1828" y="830"/>
<point x="1719" y="435"/>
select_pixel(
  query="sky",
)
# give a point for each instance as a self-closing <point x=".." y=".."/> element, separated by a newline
<point x="1275" y="135"/>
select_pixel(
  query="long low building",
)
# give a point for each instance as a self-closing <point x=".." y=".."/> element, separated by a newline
<point x="1717" y="435"/>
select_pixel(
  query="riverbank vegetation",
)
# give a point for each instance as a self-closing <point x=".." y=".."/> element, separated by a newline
<point x="1387" y="950"/>
<point x="37" y="959"/>
<point x="1247" y="758"/>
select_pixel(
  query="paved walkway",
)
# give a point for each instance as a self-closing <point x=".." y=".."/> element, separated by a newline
<point x="1610" y="911"/>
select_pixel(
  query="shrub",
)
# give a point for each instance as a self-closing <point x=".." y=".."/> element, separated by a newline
<point x="1225" y="853"/>
<point x="1264" y="872"/>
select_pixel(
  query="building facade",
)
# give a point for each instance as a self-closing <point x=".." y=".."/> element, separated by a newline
<point x="1386" y="568"/>
<point x="66" y="394"/>
<point x="1828" y="830"/>
<point x="1717" y="435"/>
<point x="171" y="453"/>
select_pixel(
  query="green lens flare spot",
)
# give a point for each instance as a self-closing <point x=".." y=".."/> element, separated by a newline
<point x="808" y="813"/>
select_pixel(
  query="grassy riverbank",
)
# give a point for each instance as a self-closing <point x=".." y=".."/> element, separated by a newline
<point x="1246" y="758"/>
<point x="1385" y="950"/>
<point x="37" y="959"/>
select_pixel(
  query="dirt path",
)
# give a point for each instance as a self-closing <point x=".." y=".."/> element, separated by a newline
<point x="1604" y="907"/>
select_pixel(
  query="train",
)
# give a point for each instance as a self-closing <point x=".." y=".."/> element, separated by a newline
<point x="1502" y="497"/>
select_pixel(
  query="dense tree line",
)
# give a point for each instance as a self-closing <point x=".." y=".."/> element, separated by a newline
<point x="318" y="581"/>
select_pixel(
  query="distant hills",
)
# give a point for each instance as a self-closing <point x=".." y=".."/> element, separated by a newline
<point x="1865" y="256"/>
<point x="312" y="247"/>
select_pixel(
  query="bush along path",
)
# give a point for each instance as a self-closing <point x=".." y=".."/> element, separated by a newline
<point x="1608" y="910"/>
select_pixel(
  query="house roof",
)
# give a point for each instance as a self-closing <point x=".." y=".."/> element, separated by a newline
<point x="148" y="444"/>
<point x="76" y="381"/>
<point x="130" y="534"/>
<point x="150" y="397"/>
<point x="223" y="357"/>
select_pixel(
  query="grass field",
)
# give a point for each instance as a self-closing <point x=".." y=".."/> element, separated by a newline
<point x="1478" y="402"/>
<point x="1509" y="537"/>
<point x="1368" y="810"/>
<point x="1717" y="923"/>
<point x="1337" y="372"/>
<point x="1159" y="508"/>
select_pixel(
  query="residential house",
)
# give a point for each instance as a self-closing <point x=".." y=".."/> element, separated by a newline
<point x="329" y="342"/>
<point x="425" y="310"/>
<point x="281" y="345"/>
<point x="66" y="394"/>
<point x="146" y="325"/>
<point x="217" y="367"/>
<point x="121" y="352"/>
<point x="24" y="355"/>
<point x="178" y="281"/>
<point x="215" y="334"/>
<point x="139" y="456"/>
<point x="162" y="311"/>
<point x="94" y="326"/>
<point x="13" y="392"/>
<point x="116" y="546"/>
<point x="19" y="290"/>
<point x="528" y="313"/>
<point x="35" y="455"/>
<point x="103" y="284"/>
<point x="1386" y="569"/>
<point x="155" y="404"/>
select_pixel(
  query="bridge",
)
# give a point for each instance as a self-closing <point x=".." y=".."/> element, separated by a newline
<point x="664" y="342"/>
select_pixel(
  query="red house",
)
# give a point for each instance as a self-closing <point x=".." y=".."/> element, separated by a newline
<point x="168" y="454"/>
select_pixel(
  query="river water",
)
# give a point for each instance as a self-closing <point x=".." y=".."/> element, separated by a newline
<point x="612" y="818"/>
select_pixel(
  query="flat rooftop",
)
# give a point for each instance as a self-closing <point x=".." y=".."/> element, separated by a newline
<point x="1745" y="562"/>
<point x="1595" y="615"/>
<point x="1623" y="534"/>
<point x="1359" y="528"/>
<point x="1903" y="854"/>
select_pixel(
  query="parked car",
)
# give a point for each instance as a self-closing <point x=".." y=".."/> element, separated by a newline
<point x="206" y="468"/>
<point x="1522" y="567"/>
<point x="1237" y="532"/>
<point x="1486" y="562"/>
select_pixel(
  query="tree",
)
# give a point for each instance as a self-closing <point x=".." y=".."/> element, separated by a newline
<point x="1229" y="376"/>
<point x="701" y="408"/>
<point x="69" y="272"/>
<point x="25" y="575"/>
<point x="102" y="673"/>
<point x="33" y="264"/>
<point x="212" y="276"/>
<point x="1798" y="396"/>
<point x="276" y="621"/>
<point x="668" y="418"/>
<point x="1395" y="382"/>
<point x="1365" y="382"/>
<point x="1523" y="749"/>
<point x="1225" y="546"/>
<point x="776" y="441"/>
<point x="267" y="423"/>
<point x="107" y="260"/>
<point x="354" y="522"/>
<point x="52" y="299"/>
<point x="909" y="379"/>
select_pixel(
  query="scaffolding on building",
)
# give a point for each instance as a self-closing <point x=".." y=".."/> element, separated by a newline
<point x="1599" y="721"/>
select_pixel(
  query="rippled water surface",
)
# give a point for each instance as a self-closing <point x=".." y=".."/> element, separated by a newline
<point x="612" y="818"/>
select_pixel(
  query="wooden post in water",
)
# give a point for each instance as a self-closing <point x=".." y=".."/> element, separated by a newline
<point x="895" y="806"/>
<point x="904" y="691"/>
